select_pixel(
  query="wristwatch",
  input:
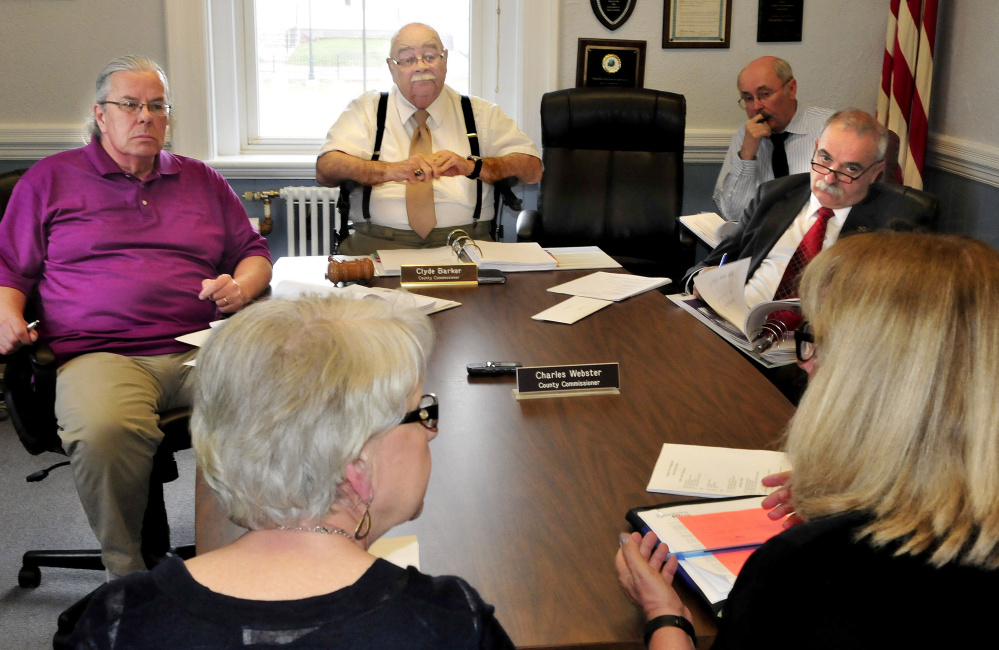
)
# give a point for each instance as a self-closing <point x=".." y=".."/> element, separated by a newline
<point x="478" y="167"/>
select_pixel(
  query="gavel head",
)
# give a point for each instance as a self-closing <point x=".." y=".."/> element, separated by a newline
<point x="341" y="270"/>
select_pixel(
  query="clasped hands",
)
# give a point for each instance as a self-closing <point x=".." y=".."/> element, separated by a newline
<point x="439" y="164"/>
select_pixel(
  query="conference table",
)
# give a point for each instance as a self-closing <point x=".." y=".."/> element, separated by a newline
<point x="527" y="498"/>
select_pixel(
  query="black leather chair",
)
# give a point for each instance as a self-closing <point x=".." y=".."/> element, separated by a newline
<point x="613" y="176"/>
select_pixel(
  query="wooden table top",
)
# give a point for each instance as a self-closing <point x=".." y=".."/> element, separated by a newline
<point x="527" y="498"/>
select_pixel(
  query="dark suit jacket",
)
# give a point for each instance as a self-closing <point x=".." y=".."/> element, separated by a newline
<point x="779" y="201"/>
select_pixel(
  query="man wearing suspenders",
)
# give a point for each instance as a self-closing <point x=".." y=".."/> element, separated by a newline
<point x="421" y="159"/>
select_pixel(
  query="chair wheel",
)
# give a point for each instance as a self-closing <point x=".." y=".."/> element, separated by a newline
<point x="29" y="577"/>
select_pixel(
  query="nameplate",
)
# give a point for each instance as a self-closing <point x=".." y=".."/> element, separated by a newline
<point x="439" y="275"/>
<point x="563" y="381"/>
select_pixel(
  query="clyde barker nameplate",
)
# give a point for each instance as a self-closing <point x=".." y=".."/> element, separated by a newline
<point x="542" y="381"/>
<point x="459" y="274"/>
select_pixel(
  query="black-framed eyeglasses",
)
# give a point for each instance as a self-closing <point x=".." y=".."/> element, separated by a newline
<point x="761" y="96"/>
<point x="159" y="109"/>
<point x="841" y="176"/>
<point x="804" y="342"/>
<point x="410" y="61"/>
<point x="425" y="413"/>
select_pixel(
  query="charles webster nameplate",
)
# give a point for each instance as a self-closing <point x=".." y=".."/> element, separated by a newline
<point x="552" y="381"/>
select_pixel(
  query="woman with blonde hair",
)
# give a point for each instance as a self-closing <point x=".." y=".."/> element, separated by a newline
<point x="311" y="425"/>
<point x="895" y="449"/>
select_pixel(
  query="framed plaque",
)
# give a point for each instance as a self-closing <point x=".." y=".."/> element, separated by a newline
<point x="610" y="63"/>
<point x="779" y="21"/>
<point x="697" y="23"/>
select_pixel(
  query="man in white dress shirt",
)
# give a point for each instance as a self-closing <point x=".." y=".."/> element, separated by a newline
<point x="418" y="64"/>
<point x="774" y="142"/>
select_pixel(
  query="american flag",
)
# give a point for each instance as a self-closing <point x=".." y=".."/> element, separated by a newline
<point x="906" y="81"/>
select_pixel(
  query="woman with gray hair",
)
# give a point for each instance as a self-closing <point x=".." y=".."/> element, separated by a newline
<point x="895" y="449"/>
<point x="310" y="425"/>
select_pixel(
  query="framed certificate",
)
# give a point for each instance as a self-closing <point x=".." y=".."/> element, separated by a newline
<point x="697" y="23"/>
<point x="610" y="63"/>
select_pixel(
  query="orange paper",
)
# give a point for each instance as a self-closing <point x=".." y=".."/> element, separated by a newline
<point x="734" y="528"/>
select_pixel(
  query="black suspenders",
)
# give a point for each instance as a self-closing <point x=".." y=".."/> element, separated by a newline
<point x="343" y="203"/>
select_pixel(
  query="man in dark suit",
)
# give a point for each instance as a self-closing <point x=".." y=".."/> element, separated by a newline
<point x="849" y="156"/>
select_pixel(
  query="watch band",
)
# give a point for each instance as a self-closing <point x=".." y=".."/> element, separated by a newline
<point x="668" y="620"/>
<point x="478" y="167"/>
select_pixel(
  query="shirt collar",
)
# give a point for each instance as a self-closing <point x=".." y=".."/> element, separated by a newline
<point x="104" y="164"/>
<point x="437" y="110"/>
<point x="839" y="214"/>
<point x="797" y="124"/>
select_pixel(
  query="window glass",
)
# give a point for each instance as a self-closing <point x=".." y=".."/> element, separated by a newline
<point x="314" y="56"/>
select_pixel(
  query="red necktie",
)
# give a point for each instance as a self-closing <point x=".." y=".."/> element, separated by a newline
<point x="810" y="246"/>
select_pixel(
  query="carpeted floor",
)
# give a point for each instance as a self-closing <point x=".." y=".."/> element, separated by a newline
<point x="48" y="515"/>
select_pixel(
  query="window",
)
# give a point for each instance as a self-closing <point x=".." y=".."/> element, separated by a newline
<point x="309" y="58"/>
<point x="509" y="48"/>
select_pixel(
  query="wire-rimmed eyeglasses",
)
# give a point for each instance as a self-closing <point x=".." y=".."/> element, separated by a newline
<point x="410" y="61"/>
<point x="425" y="413"/>
<point x="804" y="342"/>
<point x="159" y="109"/>
<point x="761" y="96"/>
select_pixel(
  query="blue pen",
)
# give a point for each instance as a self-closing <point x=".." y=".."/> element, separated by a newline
<point x="723" y="260"/>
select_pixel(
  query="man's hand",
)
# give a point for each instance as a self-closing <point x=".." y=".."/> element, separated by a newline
<point x="224" y="292"/>
<point x="14" y="333"/>
<point x="780" y="502"/>
<point x="757" y="128"/>
<point x="417" y="169"/>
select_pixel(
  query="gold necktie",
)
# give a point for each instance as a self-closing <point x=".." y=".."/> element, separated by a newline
<point x="420" y="196"/>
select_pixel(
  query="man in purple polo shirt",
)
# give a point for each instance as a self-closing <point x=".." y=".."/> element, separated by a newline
<point x="122" y="247"/>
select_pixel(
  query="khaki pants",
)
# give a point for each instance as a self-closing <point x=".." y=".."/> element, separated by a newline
<point x="106" y="407"/>
<point x="368" y="238"/>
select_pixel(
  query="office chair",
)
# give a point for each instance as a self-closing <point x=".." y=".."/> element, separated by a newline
<point x="613" y="177"/>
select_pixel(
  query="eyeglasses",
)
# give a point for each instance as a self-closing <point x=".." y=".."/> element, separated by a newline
<point x="425" y="414"/>
<point x="410" y="61"/>
<point x="841" y="176"/>
<point x="159" y="109"/>
<point x="804" y="342"/>
<point x="761" y="96"/>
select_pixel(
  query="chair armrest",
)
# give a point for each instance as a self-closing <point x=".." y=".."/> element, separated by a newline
<point x="528" y="225"/>
<point x="504" y="187"/>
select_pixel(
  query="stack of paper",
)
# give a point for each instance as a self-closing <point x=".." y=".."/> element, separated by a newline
<point x="572" y="258"/>
<point x="426" y="304"/>
<point x="709" y="227"/>
<point x="698" y="471"/>
<point x="609" y="286"/>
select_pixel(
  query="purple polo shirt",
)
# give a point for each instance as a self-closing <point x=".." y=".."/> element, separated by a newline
<point x="116" y="262"/>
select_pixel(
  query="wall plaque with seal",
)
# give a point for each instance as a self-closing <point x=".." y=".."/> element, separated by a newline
<point x="612" y="13"/>
<point x="602" y="63"/>
<point x="564" y="381"/>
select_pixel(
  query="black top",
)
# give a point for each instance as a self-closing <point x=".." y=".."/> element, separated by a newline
<point x="815" y="586"/>
<point x="387" y="607"/>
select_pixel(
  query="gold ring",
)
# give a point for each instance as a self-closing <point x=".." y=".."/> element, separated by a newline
<point x="225" y="300"/>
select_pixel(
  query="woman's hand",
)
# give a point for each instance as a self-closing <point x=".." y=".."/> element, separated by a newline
<point x="647" y="575"/>
<point x="780" y="502"/>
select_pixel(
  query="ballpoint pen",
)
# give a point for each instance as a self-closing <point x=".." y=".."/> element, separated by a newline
<point x="33" y="324"/>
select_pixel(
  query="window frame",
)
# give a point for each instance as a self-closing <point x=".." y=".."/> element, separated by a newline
<point x="206" y="48"/>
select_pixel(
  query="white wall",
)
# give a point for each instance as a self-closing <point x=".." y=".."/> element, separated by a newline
<point x="965" y="91"/>
<point x="51" y="51"/>
<point x="837" y="64"/>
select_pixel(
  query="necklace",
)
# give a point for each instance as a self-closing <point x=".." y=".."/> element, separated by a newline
<point x="320" y="529"/>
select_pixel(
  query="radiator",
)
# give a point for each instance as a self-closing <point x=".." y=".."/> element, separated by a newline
<point x="312" y="219"/>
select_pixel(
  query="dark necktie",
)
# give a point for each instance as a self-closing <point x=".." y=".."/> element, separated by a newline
<point x="810" y="246"/>
<point x="420" y="196"/>
<point x="779" y="159"/>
